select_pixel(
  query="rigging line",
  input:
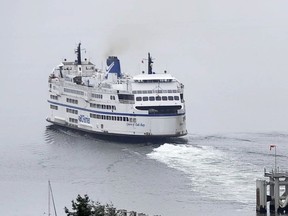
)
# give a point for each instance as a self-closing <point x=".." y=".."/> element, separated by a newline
<point x="49" y="198"/>
<point x="50" y="191"/>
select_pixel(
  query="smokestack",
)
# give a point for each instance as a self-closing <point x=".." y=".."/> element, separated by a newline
<point x="113" y="64"/>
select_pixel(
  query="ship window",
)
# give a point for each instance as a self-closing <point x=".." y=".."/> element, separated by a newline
<point x="54" y="97"/>
<point x="53" y="107"/>
<point x="126" y="97"/>
<point x="69" y="100"/>
<point x="174" y="91"/>
<point x="176" y="97"/>
<point x="138" y="98"/>
<point x="73" y="120"/>
<point x="170" y="91"/>
<point x="93" y="105"/>
<point x="113" y="118"/>
<point x="108" y="106"/>
<point x="151" y="98"/>
<point x="109" y="117"/>
<point x="144" y="92"/>
<point x="170" y="98"/>
<point x="71" y="111"/>
<point x="98" y="96"/>
<point x="113" y="108"/>
<point x="164" y="98"/>
<point x="132" y="120"/>
<point x="92" y="115"/>
<point x="149" y="91"/>
<point x="164" y="91"/>
<point x="145" y="98"/>
<point x="158" y="98"/>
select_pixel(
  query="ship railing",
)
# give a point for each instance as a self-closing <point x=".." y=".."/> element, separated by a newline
<point x="157" y="91"/>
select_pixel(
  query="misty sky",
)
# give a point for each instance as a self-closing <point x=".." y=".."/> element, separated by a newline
<point x="230" y="55"/>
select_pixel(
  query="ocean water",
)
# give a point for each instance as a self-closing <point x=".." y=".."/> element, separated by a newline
<point x="193" y="175"/>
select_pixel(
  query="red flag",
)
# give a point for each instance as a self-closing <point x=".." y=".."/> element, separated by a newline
<point x="272" y="146"/>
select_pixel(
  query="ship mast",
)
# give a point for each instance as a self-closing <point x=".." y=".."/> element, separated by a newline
<point x="78" y="51"/>
<point x="150" y="63"/>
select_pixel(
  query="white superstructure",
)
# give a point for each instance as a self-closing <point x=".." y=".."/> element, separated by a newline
<point x="109" y="102"/>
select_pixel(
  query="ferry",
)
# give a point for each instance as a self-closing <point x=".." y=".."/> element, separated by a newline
<point x="84" y="97"/>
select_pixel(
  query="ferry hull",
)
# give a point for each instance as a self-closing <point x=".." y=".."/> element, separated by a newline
<point x="112" y="134"/>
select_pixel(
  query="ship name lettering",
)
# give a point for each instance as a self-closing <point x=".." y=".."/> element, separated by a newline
<point x="136" y="124"/>
<point x="84" y="119"/>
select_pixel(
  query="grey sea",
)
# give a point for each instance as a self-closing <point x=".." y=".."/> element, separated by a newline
<point x="193" y="175"/>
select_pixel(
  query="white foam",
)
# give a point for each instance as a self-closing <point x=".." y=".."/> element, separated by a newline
<point x="213" y="172"/>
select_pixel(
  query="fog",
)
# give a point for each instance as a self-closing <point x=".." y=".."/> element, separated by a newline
<point x="230" y="55"/>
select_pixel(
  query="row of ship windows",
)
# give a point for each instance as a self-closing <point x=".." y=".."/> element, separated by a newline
<point x="98" y="96"/>
<point x="101" y="106"/>
<point x="93" y="95"/>
<point x="113" y="118"/>
<point x="70" y="68"/>
<point x="154" y="91"/>
<point x="96" y="116"/>
<point x="73" y="101"/>
<point x="53" y="107"/>
<point x="92" y="115"/>
<point x="158" y="98"/>
<point x="54" y="97"/>
<point x="73" y="91"/>
<point x="71" y="111"/>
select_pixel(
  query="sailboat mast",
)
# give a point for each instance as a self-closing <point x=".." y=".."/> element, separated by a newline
<point x="51" y="192"/>
<point x="49" y="198"/>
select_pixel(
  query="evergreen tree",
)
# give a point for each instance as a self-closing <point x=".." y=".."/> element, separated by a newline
<point x="81" y="207"/>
